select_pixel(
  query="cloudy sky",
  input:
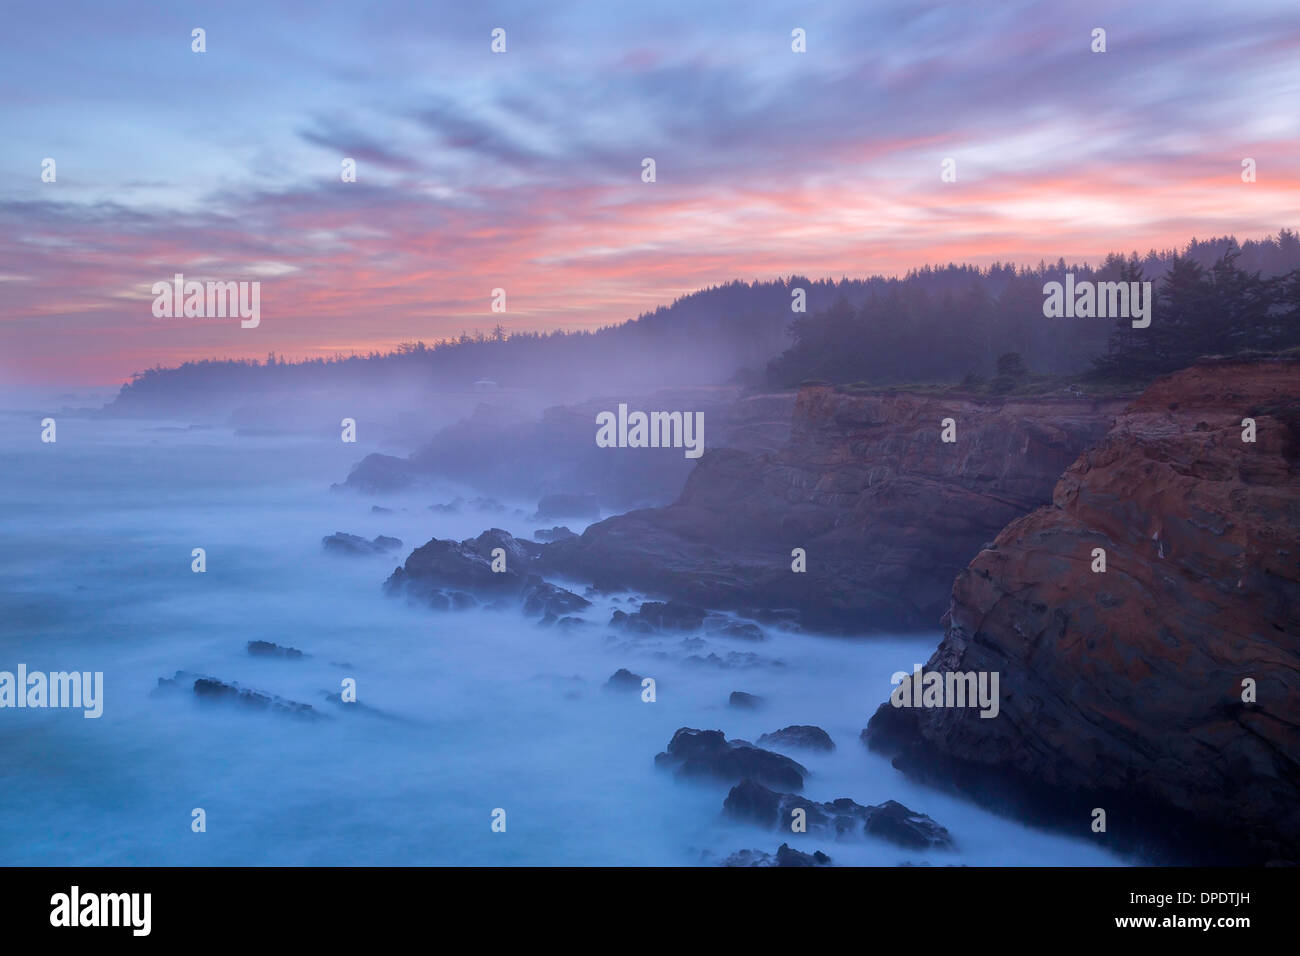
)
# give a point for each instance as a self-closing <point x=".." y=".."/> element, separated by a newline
<point x="522" y="170"/>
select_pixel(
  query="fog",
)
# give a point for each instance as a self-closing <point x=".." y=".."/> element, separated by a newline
<point x="463" y="712"/>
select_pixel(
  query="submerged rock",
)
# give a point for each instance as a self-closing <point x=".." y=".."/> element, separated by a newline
<point x="267" y="649"/>
<point x="335" y="699"/>
<point x="785" y="856"/>
<point x="212" y="690"/>
<point x="742" y="701"/>
<point x="657" y="616"/>
<point x="735" y="660"/>
<point x="718" y="626"/>
<point x="342" y="543"/>
<point x="707" y="753"/>
<point x="450" y="575"/>
<point x="558" y="533"/>
<point x="379" y="473"/>
<point x="624" y="679"/>
<point x="751" y="802"/>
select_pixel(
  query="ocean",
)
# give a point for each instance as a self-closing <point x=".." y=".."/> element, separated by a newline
<point x="465" y="713"/>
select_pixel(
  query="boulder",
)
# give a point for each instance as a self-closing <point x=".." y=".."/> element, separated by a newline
<point x="658" y="617"/>
<point x="624" y="679"/>
<point x="268" y="649"/>
<point x="707" y="753"/>
<point x="801" y="736"/>
<point x="451" y="575"/>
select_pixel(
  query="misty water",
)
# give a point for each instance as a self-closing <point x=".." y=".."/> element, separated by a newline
<point x="469" y="711"/>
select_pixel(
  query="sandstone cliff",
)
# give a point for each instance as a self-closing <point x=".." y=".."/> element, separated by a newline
<point x="1123" y="689"/>
<point x="886" y="512"/>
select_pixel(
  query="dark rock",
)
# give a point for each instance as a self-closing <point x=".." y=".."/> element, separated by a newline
<point x="707" y="753"/>
<point x="749" y="858"/>
<point x="623" y="620"/>
<point x="717" y="626"/>
<point x="752" y="802"/>
<point x="333" y="698"/>
<point x="341" y="543"/>
<point x="894" y="822"/>
<point x="267" y="649"/>
<point x="735" y="660"/>
<point x="379" y="473"/>
<point x="656" y="616"/>
<point x="742" y="701"/>
<point x="450" y="575"/>
<point x="803" y="736"/>
<point x="558" y="533"/>
<point x="624" y="679"/>
<point x="212" y="690"/>
<point x="785" y="856"/>
<point x="542" y="597"/>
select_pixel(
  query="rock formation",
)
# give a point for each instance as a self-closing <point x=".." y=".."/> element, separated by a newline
<point x="1166" y="688"/>
<point x="886" y="512"/>
<point x="751" y="802"/>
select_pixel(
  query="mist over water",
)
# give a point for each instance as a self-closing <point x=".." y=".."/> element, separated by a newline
<point x="471" y="711"/>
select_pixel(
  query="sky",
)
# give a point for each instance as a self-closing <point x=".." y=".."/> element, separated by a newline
<point x="523" y="170"/>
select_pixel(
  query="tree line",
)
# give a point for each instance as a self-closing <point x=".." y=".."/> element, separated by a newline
<point x="953" y="324"/>
<point x="936" y="324"/>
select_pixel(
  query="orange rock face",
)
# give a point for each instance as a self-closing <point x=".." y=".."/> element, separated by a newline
<point x="1166" y="687"/>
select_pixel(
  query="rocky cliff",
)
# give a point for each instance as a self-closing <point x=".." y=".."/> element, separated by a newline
<point x="886" y="511"/>
<point x="501" y="450"/>
<point x="1164" y="689"/>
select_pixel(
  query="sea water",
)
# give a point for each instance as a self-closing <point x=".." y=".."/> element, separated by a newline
<point x="465" y="713"/>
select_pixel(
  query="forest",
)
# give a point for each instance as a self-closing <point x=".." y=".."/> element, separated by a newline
<point x="936" y="324"/>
